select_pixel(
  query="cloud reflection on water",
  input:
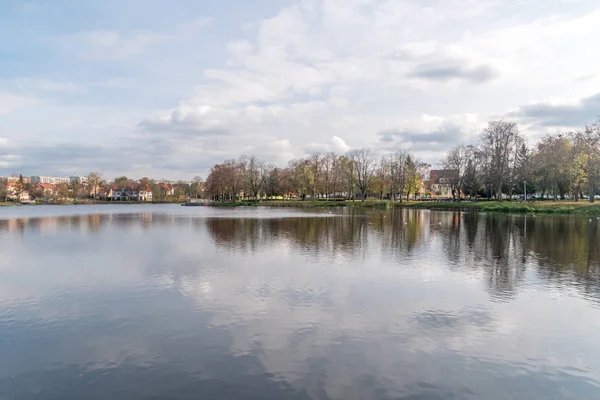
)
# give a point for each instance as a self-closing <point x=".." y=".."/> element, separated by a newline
<point x="400" y="304"/>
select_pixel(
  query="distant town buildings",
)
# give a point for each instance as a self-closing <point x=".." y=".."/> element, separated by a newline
<point x="15" y="179"/>
<point x="52" y="180"/>
<point x="81" y="188"/>
<point x="14" y="192"/>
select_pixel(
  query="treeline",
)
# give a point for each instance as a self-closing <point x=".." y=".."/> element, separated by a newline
<point x="561" y="165"/>
<point x="501" y="165"/>
<point x="319" y="176"/>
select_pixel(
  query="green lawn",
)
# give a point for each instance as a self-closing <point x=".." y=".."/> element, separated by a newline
<point x="558" y="207"/>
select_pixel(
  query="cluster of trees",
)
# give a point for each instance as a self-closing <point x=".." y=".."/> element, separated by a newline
<point x="561" y="165"/>
<point x="355" y="175"/>
<point x="500" y="165"/>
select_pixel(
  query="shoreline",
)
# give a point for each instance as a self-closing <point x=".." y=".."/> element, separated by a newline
<point x="541" y="207"/>
<point x="86" y="203"/>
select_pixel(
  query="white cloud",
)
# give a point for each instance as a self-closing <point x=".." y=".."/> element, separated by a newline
<point x="103" y="44"/>
<point x="339" y="145"/>
<point x="13" y="101"/>
<point x="428" y="74"/>
<point x="336" y="145"/>
<point x="48" y="85"/>
<point x="355" y="68"/>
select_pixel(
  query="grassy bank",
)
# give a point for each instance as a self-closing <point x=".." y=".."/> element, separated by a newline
<point x="547" y="207"/>
<point x="5" y="204"/>
<point x="305" y="203"/>
<point x="279" y="203"/>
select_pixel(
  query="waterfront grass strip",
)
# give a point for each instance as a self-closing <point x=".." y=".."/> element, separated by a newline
<point x="547" y="207"/>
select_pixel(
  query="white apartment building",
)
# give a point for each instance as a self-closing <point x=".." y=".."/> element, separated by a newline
<point x="52" y="180"/>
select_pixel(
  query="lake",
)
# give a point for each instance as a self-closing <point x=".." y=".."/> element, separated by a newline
<point x="170" y="302"/>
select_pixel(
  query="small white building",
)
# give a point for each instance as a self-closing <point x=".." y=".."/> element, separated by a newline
<point x="124" y="195"/>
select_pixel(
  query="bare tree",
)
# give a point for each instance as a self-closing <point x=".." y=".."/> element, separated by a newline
<point x="382" y="175"/>
<point x="233" y="174"/>
<point x="454" y="164"/>
<point x="364" y="164"/>
<point x="254" y="176"/>
<point x="266" y="174"/>
<point x="398" y="173"/>
<point x="314" y="164"/>
<point x="498" y="143"/>
<point x="328" y="171"/>
<point x="347" y="176"/>
<point x="471" y="181"/>
<point x="94" y="180"/>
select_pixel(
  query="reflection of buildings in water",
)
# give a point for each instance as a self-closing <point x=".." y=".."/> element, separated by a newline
<point x="14" y="225"/>
<point x="87" y="222"/>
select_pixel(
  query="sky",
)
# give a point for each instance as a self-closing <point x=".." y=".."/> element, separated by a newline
<point x="168" y="89"/>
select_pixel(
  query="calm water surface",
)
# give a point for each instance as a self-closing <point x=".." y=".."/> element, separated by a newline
<point x="169" y="302"/>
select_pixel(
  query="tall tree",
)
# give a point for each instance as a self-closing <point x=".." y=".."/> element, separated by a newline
<point x="454" y="165"/>
<point x="315" y="162"/>
<point x="381" y="181"/>
<point x="498" y="145"/>
<point x="414" y="176"/>
<point x="329" y="161"/>
<point x="254" y="176"/>
<point x="554" y="155"/>
<point x="94" y="181"/>
<point x="364" y="165"/>
<point x="588" y="147"/>
<point x="20" y="187"/>
<point x="470" y="182"/>
<point x="398" y="173"/>
<point x="523" y="172"/>
<point x="233" y="176"/>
